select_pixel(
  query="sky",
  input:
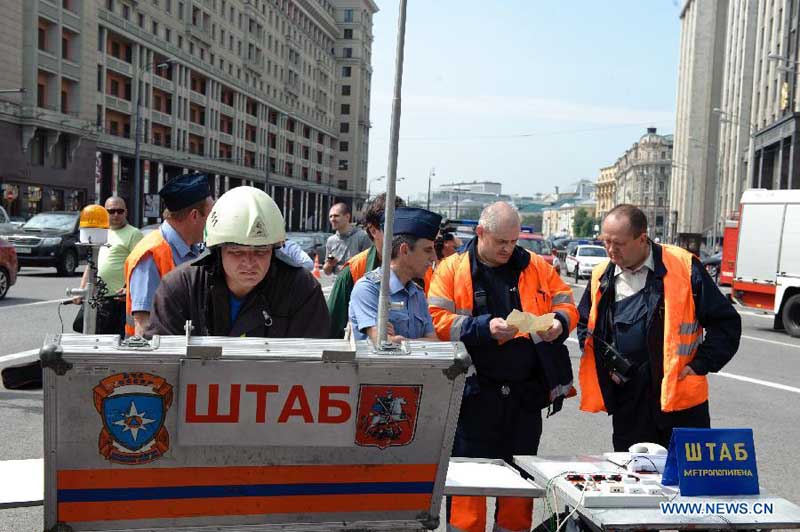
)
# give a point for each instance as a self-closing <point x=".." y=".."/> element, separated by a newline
<point x="533" y="94"/>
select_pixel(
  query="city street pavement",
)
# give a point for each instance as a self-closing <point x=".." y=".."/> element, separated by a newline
<point x="757" y="389"/>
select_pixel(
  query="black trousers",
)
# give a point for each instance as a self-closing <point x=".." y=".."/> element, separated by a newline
<point x="637" y="416"/>
<point x="493" y="425"/>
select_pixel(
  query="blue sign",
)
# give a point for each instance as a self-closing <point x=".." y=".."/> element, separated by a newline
<point x="712" y="462"/>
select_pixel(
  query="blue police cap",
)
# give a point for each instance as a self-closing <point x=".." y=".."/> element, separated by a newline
<point x="420" y="223"/>
<point x="184" y="190"/>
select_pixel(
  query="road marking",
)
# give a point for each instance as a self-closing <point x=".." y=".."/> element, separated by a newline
<point x="756" y="314"/>
<point x="759" y="381"/>
<point x="5" y="307"/>
<point x="743" y="378"/>
<point x="770" y="341"/>
<point x="21" y="354"/>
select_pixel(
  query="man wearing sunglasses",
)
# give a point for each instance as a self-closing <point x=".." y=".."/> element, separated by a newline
<point x="122" y="238"/>
<point x="243" y="287"/>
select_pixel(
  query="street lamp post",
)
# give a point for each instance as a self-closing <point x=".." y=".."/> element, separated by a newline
<point x="136" y="219"/>
<point x="430" y="175"/>
<point x="369" y="184"/>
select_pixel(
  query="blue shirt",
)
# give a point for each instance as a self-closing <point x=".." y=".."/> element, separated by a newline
<point x="291" y="253"/>
<point x="413" y="321"/>
<point x="236" y="306"/>
<point x="145" y="277"/>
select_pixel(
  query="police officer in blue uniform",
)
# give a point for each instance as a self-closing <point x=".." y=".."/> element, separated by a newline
<point x="413" y="253"/>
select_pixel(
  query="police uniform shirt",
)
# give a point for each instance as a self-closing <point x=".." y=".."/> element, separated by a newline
<point x="412" y="321"/>
<point x="145" y="277"/>
<point x="628" y="282"/>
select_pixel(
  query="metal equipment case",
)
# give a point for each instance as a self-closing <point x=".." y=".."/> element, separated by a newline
<point x="247" y="434"/>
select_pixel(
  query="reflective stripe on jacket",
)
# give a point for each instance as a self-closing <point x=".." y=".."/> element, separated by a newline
<point x="153" y="245"/>
<point x="682" y="336"/>
<point x="450" y="295"/>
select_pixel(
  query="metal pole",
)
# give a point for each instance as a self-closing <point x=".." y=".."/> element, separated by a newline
<point x="430" y="175"/>
<point x="266" y="164"/>
<point x="136" y="185"/>
<point x="384" y="302"/>
<point x="89" y="305"/>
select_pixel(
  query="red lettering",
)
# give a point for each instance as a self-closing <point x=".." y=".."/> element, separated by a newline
<point x="296" y="394"/>
<point x="261" y="391"/>
<point x="326" y="403"/>
<point x="213" y="405"/>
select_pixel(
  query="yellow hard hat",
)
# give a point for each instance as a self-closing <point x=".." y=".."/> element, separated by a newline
<point x="246" y="216"/>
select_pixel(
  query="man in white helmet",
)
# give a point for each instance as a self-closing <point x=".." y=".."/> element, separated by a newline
<point x="241" y="288"/>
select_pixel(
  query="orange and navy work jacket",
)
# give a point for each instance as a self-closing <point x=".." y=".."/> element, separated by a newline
<point x="450" y="296"/>
<point x="682" y="337"/>
<point x="153" y="245"/>
<point x="358" y="265"/>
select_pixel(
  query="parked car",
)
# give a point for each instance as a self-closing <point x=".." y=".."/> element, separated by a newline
<point x="712" y="264"/>
<point x="540" y="246"/>
<point x="312" y="243"/>
<point x="8" y="267"/>
<point x="5" y="223"/>
<point x="17" y="221"/>
<point x="583" y="258"/>
<point x="49" y="239"/>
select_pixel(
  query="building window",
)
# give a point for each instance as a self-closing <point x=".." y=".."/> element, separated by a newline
<point x="155" y="29"/>
<point x="346" y="90"/>
<point x="344" y="127"/>
<point x="348" y="15"/>
<point x="348" y="33"/>
<point x="41" y="95"/>
<point x="345" y="108"/>
<point x="344" y="146"/>
<point x="141" y="20"/>
<point x="343" y="164"/>
<point x="348" y="52"/>
<point x="347" y="71"/>
<point x="343" y="184"/>
<point x="126" y="12"/>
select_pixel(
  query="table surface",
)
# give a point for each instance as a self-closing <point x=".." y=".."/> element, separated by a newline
<point x="785" y="514"/>
<point x="487" y="477"/>
<point x="21" y="483"/>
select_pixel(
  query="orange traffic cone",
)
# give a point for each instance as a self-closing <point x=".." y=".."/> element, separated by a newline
<point x="316" y="273"/>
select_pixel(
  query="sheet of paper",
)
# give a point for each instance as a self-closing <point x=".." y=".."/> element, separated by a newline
<point x="530" y="323"/>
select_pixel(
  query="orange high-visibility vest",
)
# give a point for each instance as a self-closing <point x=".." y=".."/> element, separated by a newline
<point x="450" y="296"/>
<point x="682" y="336"/>
<point x="153" y="245"/>
<point x="358" y="265"/>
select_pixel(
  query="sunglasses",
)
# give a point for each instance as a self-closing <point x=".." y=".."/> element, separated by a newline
<point x="116" y="211"/>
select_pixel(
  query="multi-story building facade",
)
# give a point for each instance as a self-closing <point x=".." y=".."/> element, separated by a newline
<point x="262" y="92"/>
<point x="774" y="108"/>
<point x="643" y="178"/>
<point x="606" y="190"/>
<point x="735" y="140"/>
<point x="465" y="199"/>
<point x="692" y="189"/>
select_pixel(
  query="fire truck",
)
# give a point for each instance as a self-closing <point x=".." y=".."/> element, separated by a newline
<point x="767" y="273"/>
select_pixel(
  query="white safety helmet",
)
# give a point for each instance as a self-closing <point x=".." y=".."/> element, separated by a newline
<point x="246" y="216"/>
